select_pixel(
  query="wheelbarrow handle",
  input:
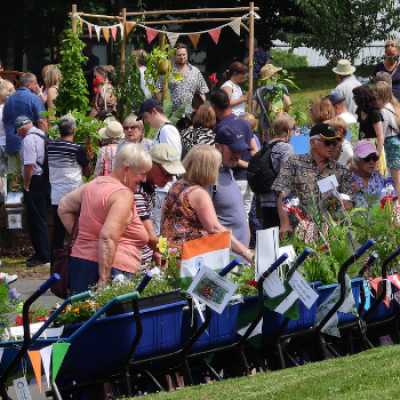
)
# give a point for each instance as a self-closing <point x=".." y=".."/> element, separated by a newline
<point x="81" y="296"/>
<point x="129" y="296"/>
<point x="278" y="262"/>
<point x="373" y="257"/>
<point x="144" y="282"/>
<point x="365" y="247"/>
<point x="306" y="252"/>
<point x="229" y="267"/>
<point x="49" y="283"/>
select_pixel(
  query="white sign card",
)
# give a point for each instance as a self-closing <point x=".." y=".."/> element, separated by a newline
<point x="267" y="249"/>
<point x="289" y="250"/>
<point x="306" y="294"/>
<point x="273" y="285"/>
<point x="18" y="331"/>
<point x="22" y="389"/>
<point x="325" y="185"/>
<point x="212" y="289"/>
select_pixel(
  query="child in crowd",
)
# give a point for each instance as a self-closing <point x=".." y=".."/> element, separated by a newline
<point x="344" y="154"/>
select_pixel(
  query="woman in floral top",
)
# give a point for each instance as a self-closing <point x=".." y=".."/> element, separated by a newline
<point x="366" y="181"/>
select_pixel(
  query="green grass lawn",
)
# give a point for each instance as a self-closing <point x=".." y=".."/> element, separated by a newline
<point x="374" y="374"/>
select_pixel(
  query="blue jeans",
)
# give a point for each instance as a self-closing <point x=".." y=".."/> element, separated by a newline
<point x="82" y="274"/>
<point x="115" y="272"/>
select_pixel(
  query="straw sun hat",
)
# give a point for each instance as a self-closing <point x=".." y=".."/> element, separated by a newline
<point x="113" y="130"/>
<point x="344" y="68"/>
<point x="268" y="70"/>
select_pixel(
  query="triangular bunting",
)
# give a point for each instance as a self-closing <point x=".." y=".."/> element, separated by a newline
<point x="45" y="353"/>
<point x="235" y="25"/>
<point x="122" y="30"/>
<point x="89" y="26"/>
<point x="36" y="361"/>
<point x="114" y="33"/>
<point x="172" y="37"/>
<point x="150" y="34"/>
<point x="129" y="26"/>
<point x="215" y="34"/>
<point x="195" y="37"/>
<point x="97" y="29"/>
<point x="106" y="34"/>
<point x="59" y="352"/>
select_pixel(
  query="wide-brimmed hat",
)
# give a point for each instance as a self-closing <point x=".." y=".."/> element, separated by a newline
<point x="231" y="136"/>
<point x="167" y="156"/>
<point x="364" y="148"/>
<point x="113" y="130"/>
<point x="344" y="68"/>
<point x="268" y="70"/>
<point x="325" y="131"/>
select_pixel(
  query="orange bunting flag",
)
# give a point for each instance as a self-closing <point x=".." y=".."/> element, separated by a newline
<point x="90" y="30"/>
<point x="195" y="37"/>
<point x="36" y="361"/>
<point x="106" y="34"/>
<point x="150" y="35"/>
<point x="114" y="33"/>
<point x="215" y="34"/>
<point x="128" y="27"/>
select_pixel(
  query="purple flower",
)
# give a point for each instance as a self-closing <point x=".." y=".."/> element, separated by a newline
<point x="14" y="295"/>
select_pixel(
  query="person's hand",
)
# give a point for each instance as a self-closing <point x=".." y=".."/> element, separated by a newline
<point x="158" y="259"/>
<point x="356" y="187"/>
<point x="250" y="258"/>
<point x="38" y="89"/>
<point x="284" y="229"/>
<point x="244" y="97"/>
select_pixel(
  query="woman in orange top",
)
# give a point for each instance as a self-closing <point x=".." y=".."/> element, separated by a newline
<point x="111" y="235"/>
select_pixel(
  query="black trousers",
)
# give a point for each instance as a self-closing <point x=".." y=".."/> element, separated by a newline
<point x="271" y="217"/>
<point x="37" y="201"/>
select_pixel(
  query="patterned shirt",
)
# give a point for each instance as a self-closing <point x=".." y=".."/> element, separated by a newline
<point x="299" y="176"/>
<point x="144" y="202"/>
<point x="183" y="90"/>
<point x="375" y="183"/>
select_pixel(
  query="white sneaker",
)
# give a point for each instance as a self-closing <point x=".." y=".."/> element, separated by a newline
<point x="9" y="278"/>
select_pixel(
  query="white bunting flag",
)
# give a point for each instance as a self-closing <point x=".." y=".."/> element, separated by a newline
<point x="172" y="37"/>
<point x="235" y="25"/>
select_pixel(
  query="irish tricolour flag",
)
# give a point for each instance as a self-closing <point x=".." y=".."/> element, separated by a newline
<point x="212" y="251"/>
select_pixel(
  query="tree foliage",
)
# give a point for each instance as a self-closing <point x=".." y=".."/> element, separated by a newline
<point x="342" y="28"/>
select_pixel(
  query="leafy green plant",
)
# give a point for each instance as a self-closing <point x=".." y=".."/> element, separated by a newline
<point x="72" y="92"/>
<point x="77" y="312"/>
<point x="244" y="279"/>
<point x="10" y="304"/>
<point x="287" y="59"/>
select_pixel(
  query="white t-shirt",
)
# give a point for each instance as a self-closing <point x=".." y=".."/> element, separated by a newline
<point x="389" y="121"/>
<point x="346" y="154"/>
<point x="348" y="118"/>
<point x="236" y="93"/>
<point x="143" y="83"/>
<point x="168" y="134"/>
<point x="2" y="131"/>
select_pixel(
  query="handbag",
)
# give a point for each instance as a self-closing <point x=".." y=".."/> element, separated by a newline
<point x="61" y="265"/>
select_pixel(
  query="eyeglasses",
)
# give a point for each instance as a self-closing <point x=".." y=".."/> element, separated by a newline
<point x="165" y="173"/>
<point x="373" y="157"/>
<point x="328" y="143"/>
<point x="132" y="127"/>
<point x="389" y="45"/>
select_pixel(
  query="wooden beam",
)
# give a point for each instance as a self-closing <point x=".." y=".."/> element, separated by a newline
<point x="99" y="16"/>
<point x="123" y="42"/>
<point x="191" y="11"/>
<point x="188" y="21"/>
<point x="74" y="10"/>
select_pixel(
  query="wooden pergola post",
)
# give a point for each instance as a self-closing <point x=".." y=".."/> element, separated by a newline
<point x="74" y="11"/>
<point x="123" y="42"/>
<point x="251" y="55"/>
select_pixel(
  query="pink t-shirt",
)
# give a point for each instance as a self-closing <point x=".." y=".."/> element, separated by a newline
<point x="93" y="215"/>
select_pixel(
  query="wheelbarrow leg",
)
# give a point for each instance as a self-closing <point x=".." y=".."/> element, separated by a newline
<point x="212" y="371"/>
<point x="153" y="380"/>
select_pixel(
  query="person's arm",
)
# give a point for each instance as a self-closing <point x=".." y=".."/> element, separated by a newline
<point x="51" y="96"/>
<point x="254" y="106"/>
<point x="253" y="146"/>
<point x="28" y="172"/>
<point x="83" y="161"/>
<point x="379" y="135"/>
<point x="94" y="111"/>
<point x="201" y="202"/>
<point x="42" y="125"/>
<point x="119" y="214"/>
<point x="241" y="99"/>
<point x="68" y="207"/>
<point x="153" y="242"/>
<point x="87" y="171"/>
<point x="287" y="101"/>
<point x="283" y="217"/>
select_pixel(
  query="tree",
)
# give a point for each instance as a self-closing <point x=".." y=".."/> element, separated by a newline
<point x="342" y="28"/>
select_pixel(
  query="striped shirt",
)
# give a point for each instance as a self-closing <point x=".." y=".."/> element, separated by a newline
<point x="66" y="160"/>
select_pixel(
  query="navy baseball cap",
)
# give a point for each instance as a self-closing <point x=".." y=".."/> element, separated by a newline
<point x="21" y="121"/>
<point x="232" y="137"/>
<point x="335" y="97"/>
<point x="146" y="105"/>
<point x="325" y="131"/>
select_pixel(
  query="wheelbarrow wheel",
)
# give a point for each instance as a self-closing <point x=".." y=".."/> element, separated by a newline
<point x="69" y="377"/>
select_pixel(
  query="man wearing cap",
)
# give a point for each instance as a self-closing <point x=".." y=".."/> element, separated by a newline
<point x="166" y="165"/>
<point x="67" y="163"/>
<point x="226" y="195"/>
<point x="339" y="104"/>
<point x="347" y="82"/>
<point x="221" y="104"/>
<point x="36" y="188"/>
<point x="299" y="175"/>
<point x="152" y="113"/>
<point x="22" y="102"/>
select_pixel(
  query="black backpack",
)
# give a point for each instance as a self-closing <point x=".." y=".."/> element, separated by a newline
<point x="45" y="166"/>
<point x="260" y="171"/>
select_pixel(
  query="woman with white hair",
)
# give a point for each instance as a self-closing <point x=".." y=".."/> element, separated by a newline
<point x="134" y="133"/>
<point x="111" y="235"/>
<point x="366" y="181"/>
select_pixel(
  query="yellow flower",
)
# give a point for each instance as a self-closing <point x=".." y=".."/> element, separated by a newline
<point x="162" y="244"/>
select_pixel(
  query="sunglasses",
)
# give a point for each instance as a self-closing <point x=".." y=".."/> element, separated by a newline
<point x="389" y="45"/>
<point x="373" y="157"/>
<point x="328" y="143"/>
<point x="165" y="173"/>
<point x="127" y="128"/>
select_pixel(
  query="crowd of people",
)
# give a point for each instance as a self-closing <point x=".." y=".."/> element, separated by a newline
<point x="192" y="182"/>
